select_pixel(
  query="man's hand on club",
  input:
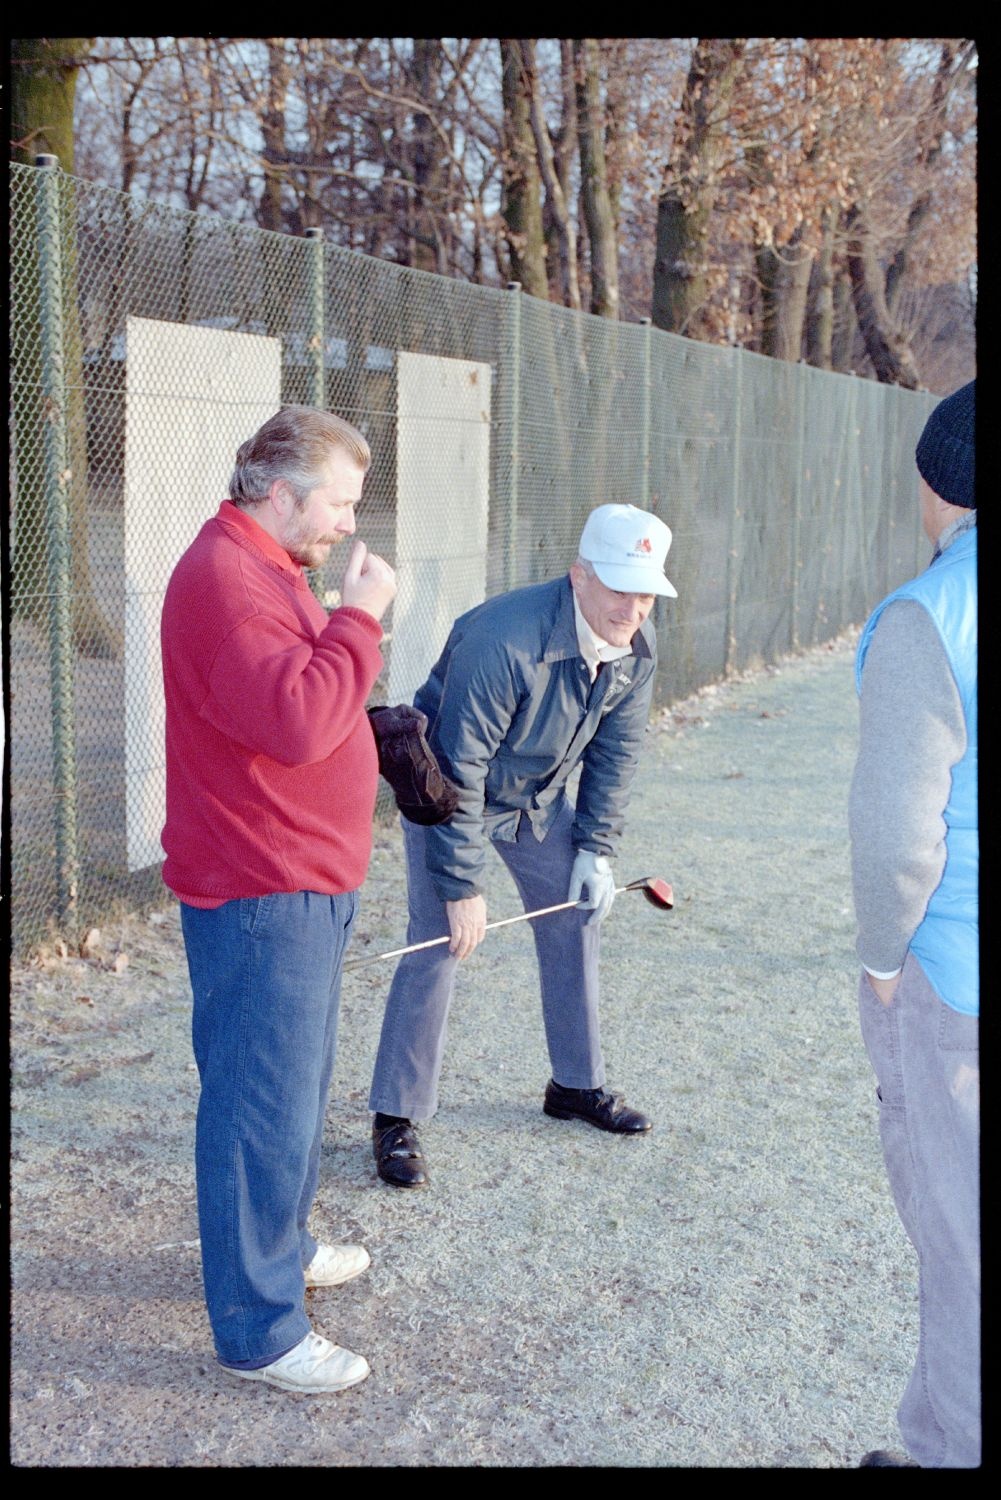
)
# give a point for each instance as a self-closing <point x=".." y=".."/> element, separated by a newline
<point x="595" y="872"/>
<point x="468" y="921"/>
<point x="369" y="582"/>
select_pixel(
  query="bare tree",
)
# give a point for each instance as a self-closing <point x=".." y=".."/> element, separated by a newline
<point x="819" y="326"/>
<point x="687" y="198"/>
<point x="595" y="196"/>
<point x="955" y="60"/>
<point x="565" y="230"/>
<point x="796" y="166"/>
<point x="273" y="115"/>
<point x="521" y="208"/>
<point x="891" y="356"/>
<point x="892" y="196"/>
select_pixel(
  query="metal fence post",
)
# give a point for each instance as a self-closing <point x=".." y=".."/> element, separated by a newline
<point x="797" y="561"/>
<point x="732" y="551"/>
<point x="316" y="394"/>
<point x="890" y="501"/>
<point x="647" y="397"/>
<point x="840" y="621"/>
<point x="57" y="483"/>
<point x="317" y="331"/>
<point x="514" y="387"/>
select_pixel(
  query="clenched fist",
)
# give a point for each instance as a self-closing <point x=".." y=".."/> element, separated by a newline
<point x="369" y="582"/>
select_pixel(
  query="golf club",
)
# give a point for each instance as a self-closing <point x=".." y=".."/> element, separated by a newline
<point x="657" y="891"/>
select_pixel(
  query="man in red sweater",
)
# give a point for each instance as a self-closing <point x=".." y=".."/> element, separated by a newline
<point x="271" y="780"/>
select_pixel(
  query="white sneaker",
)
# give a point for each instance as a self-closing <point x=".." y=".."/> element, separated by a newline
<point x="315" y="1367"/>
<point x="334" y="1264"/>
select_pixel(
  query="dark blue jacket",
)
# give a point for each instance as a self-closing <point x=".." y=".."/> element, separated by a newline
<point x="512" y="711"/>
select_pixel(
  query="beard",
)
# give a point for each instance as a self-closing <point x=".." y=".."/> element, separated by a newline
<point x="309" y="554"/>
<point x="306" y="547"/>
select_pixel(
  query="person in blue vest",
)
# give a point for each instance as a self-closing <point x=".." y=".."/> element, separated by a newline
<point x="914" y="838"/>
<point x="530" y="686"/>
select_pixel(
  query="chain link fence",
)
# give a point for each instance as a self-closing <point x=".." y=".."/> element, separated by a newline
<point x="147" y="343"/>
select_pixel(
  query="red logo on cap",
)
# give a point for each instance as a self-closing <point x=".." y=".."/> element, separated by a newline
<point x="644" y="544"/>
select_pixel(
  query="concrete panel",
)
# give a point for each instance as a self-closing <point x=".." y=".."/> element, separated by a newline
<point x="443" y="491"/>
<point x="193" y="395"/>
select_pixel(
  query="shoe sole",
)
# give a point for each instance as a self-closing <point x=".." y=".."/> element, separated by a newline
<point x="569" y="1114"/>
<point x="396" y="1183"/>
<point x="294" y="1387"/>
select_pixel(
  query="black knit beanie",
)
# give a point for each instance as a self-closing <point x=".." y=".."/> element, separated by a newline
<point x="946" y="454"/>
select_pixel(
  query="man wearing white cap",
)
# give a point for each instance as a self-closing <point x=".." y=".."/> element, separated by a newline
<point x="530" y="685"/>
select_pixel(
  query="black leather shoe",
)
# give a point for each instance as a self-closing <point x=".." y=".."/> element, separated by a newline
<point x="879" y="1458"/>
<point x="398" y="1156"/>
<point x="596" y="1106"/>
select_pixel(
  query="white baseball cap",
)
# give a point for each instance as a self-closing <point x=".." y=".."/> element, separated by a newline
<point x="626" y="547"/>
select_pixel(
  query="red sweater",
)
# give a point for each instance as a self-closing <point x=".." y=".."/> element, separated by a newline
<point x="271" y="762"/>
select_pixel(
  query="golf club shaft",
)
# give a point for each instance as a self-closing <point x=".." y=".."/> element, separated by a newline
<point x="525" y="916"/>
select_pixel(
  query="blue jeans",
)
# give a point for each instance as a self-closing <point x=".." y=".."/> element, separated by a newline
<point x="412" y="1045"/>
<point x="266" y="978"/>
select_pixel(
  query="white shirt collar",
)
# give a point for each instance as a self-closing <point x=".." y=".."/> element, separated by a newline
<point x="592" y="648"/>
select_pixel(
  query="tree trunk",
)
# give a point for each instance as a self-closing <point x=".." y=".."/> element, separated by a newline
<point x="684" y="208"/>
<point x="845" y="323"/>
<point x="564" y="148"/>
<point x="566" y="237"/>
<point x="820" y="299"/>
<point x="891" y="358"/>
<point x="619" y="87"/>
<point x="768" y="272"/>
<point x="43" y="86"/>
<point x="597" y="203"/>
<point x="269" y="211"/>
<point x="790" y="312"/>
<point x="783" y="278"/>
<point x="521" y="208"/>
<point x="929" y="151"/>
<point x="427" y="250"/>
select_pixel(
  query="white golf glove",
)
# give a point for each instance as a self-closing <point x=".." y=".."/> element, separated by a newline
<point x="595" y="872"/>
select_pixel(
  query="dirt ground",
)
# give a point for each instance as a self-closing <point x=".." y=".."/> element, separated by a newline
<point x="733" y="1291"/>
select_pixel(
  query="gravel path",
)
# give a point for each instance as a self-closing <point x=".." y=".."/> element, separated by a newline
<point x="734" y="1290"/>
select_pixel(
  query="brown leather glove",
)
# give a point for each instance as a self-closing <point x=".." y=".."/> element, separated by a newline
<point x="423" y="793"/>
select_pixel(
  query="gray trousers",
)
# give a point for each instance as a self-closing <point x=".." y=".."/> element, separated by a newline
<point x="412" y="1044"/>
<point x="927" y="1064"/>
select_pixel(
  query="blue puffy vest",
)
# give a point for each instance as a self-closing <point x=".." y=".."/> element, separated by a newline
<point x="946" y="943"/>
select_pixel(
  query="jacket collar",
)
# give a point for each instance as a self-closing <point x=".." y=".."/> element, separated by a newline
<point x="954" y="532"/>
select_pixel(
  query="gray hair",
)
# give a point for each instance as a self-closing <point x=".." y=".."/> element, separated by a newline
<point x="294" y="445"/>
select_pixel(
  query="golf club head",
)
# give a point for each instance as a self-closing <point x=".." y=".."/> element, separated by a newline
<point x="657" y="891"/>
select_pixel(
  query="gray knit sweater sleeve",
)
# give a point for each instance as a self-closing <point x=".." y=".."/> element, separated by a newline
<point x="912" y="732"/>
